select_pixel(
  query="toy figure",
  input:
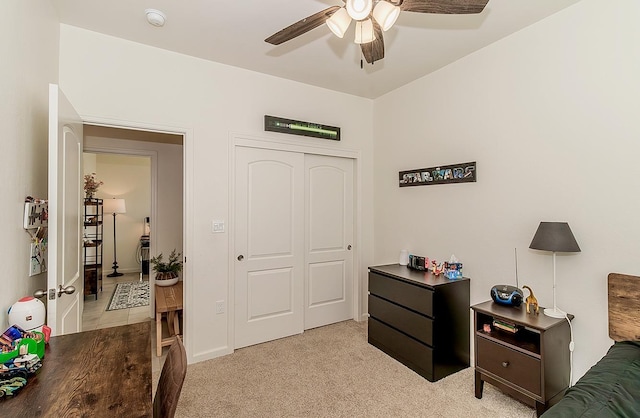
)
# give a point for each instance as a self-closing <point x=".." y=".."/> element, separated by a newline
<point x="11" y="386"/>
<point x="437" y="269"/>
<point x="531" y="301"/>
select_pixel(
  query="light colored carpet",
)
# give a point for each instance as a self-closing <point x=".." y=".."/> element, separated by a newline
<point x="331" y="372"/>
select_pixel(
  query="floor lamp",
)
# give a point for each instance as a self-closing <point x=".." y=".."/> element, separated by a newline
<point x="554" y="237"/>
<point x="114" y="206"/>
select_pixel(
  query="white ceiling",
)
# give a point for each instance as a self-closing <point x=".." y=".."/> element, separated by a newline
<point x="233" y="33"/>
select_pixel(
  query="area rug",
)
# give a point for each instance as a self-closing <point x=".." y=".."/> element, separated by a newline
<point x="129" y="295"/>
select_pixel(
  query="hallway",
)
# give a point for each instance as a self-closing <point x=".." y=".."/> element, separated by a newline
<point x="96" y="316"/>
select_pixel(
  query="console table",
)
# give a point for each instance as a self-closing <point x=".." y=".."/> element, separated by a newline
<point x="420" y="319"/>
<point x="169" y="301"/>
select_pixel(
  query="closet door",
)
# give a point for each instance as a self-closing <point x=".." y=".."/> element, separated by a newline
<point x="269" y="244"/>
<point x="329" y="240"/>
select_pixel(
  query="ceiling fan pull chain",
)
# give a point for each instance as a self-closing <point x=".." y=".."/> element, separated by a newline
<point x="361" y="53"/>
<point x="373" y="58"/>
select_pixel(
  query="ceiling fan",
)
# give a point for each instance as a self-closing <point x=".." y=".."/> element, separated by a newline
<point x="372" y="18"/>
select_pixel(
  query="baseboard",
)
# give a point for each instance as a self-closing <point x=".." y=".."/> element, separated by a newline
<point x="210" y="354"/>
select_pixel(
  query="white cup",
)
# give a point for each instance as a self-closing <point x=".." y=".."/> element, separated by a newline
<point x="404" y="257"/>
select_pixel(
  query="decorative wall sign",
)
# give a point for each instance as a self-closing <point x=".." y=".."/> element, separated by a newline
<point x="38" y="260"/>
<point x="296" y="127"/>
<point x="444" y="174"/>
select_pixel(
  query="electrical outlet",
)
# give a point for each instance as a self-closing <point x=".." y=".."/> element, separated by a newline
<point x="220" y="307"/>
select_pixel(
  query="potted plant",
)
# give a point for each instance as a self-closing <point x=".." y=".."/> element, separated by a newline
<point x="91" y="185"/>
<point x="167" y="271"/>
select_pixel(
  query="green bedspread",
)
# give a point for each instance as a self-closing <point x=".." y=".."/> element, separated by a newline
<point x="611" y="388"/>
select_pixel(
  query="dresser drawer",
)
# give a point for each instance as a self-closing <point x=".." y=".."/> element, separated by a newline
<point x="414" y="297"/>
<point x="406" y="350"/>
<point x="418" y="326"/>
<point x="511" y="365"/>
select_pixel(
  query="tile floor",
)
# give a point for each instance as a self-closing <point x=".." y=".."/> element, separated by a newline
<point x="96" y="316"/>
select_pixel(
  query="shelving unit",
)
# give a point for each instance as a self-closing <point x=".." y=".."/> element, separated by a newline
<point x="93" y="217"/>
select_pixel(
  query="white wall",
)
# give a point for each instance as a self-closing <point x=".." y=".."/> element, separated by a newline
<point x="29" y="54"/>
<point x="105" y="77"/>
<point x="550" y="114"/>
<point x="168" y="226"/>
<point x="129" y="178"/>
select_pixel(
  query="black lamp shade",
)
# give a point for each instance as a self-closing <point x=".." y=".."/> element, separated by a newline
<point x="556" y="237"/>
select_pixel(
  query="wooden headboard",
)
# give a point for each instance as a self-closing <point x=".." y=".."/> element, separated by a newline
<point x="624" y="307"/>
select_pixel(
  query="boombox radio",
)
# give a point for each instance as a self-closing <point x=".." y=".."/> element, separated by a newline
<point x="505" y="294"/>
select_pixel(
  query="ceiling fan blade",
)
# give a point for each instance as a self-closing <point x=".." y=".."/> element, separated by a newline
<point x="374" y="51"/>
<point x="453" y="7"/>
<point x="301" y="26"/>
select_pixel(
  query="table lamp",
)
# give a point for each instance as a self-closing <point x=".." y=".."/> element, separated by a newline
<point x="554" y="237"/>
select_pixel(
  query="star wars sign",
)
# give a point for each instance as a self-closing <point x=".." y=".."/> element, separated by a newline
<point x="456" y="173"/>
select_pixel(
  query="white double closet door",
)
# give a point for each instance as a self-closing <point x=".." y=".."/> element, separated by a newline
<point x="293" y="243"/>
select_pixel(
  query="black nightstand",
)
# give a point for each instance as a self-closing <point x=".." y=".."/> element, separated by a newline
<point x="532" y="364"/>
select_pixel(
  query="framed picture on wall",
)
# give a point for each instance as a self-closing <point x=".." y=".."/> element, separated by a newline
<point x="444" y="174"/>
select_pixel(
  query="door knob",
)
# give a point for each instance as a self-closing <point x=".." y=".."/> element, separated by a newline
<point x="240" y="257"/>
<point x="349" y="247"/>
<point x="68" y="290"/>
<point x="40" y="293"/>
<point x="505" y="364"/>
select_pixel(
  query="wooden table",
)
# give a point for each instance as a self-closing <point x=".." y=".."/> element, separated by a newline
<point x="106" y="372"/>
<point x="169" y="301"/>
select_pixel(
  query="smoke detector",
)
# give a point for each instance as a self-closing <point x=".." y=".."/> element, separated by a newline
<point x="155" y="17"/>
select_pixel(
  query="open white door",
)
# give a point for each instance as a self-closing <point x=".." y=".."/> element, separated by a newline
<point x="64" y="306"/>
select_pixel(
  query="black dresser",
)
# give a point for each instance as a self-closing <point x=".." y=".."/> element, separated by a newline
<point x="419" y="319"/>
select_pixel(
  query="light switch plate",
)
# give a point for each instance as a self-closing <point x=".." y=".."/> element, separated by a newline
<point x="217" y="227"/>
<point x="219" y="306"/>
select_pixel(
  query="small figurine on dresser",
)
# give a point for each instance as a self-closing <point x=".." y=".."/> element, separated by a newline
<point x="531" y="301"/>
<point x="437" y="269"/>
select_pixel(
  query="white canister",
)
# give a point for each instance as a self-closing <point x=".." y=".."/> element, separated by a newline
<point x="404" y="257"/>
<point x="28" y="313"/>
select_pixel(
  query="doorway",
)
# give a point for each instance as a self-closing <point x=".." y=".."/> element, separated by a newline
<point x="130" y="158"/>
<point x="126" y="178"/>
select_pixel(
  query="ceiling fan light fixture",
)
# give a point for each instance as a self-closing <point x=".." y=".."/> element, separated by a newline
<point x="339" y="22"/>
<point x="364" y="32"/>
<point x="359" y="9"/>
<point x="386" y="14"/>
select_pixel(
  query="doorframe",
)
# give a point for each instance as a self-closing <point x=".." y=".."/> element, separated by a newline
<point x="236" y="140"/>
<point x="187" y="209"/>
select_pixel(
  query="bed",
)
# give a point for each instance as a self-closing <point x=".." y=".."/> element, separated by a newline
<point x="611" y="388"/>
